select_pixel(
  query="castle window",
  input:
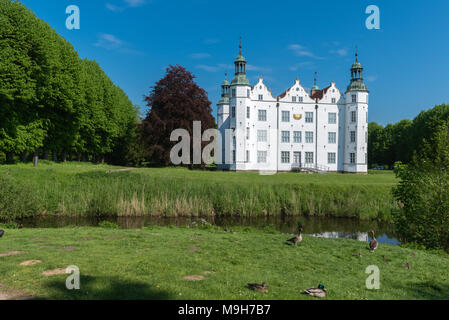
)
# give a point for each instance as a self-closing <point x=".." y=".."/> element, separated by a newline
<point x="300" y="99"/>
<point x="353" y="116"/>
<point x="309" y="137"/>
<point x="285" y="136"/>
<point x="332" y="118"/>
<point x="234" y="143"/>
<point x="309" y="117"/>
<point x="352" y="136"/>
<point x="261" y="135"/>
<point x="233" y="92"/>
<point x="233" y="156"/>
<point x="331" y="158"/>
<point x="261" y="157"/>
<point x="248" y="133"/>
<point x="309" y="157"/>
<point x="247" y="156"/>
<point x="260" y="96"/>
<point x="334" y="100"/>
<point x="293" y="99"/>
<point x="262" y="115"/>
<point x="354" y="98"/>
<point x="285" y="157"/>
<point x="332" y="137"/>
<point x="248" y="112"/>
<point x="352" y="158"/>
<point x="233" y="112"/>
<point x="297" y="137"/>
<point x="285" y="116"/>
<point x="248" y="93"/>
<point x="297" y="157"/>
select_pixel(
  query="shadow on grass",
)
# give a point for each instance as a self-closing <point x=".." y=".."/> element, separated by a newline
<point x="425" y="290"/>
<point x="103" y="288"/>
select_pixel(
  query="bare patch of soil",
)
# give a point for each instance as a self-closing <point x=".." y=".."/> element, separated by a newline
<point x="54" y="272"/>
<point x="30" y="262"/>
<point x="194" y="278"/>
<point x="11" y="253"/>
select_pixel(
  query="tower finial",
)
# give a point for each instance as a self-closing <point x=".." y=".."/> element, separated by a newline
<point x="240" y="46"/>
<point x="315" y="78"/>
<point x="356" y="54"/>
<point x="226" y="76"/>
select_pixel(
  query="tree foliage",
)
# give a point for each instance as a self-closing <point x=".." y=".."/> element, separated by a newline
<point x="399" y="141"/>
<point x="175" y="101"/>
<point x="423" y="194"/>
<point x="50" y="98"/>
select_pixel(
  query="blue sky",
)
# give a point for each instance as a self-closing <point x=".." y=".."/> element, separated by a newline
<point x="406" y="62"/>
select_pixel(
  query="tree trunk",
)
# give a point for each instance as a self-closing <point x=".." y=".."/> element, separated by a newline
<point x="64" y="156"/>
<point x="24" y="156"/>
<point x="78" y="157"/>
<point x="45" y="154"/>
<point x="10" y="157"/>
<point x="85" y="157"/>
<point x="70" y="156"/>
<point x="55" y="156"/>
<point x="36" y="157"/>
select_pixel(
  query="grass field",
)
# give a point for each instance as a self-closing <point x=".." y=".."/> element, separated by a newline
<point x="151" y="263"/>
<point x="87" y="189"/>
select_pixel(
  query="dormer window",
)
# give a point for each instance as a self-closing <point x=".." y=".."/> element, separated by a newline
<point x="293" y="99"/>
<point x="261" y="97"/>
<point x="297" y="89"/>
<point x="334" y="100"/>
<point x="301" y="99"/>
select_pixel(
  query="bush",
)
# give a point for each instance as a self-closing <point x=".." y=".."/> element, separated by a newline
<point x="423" y="195"/>
<point x="17" y="201"/>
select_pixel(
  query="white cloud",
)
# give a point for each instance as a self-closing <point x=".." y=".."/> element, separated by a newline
<point x="126" y="4"/>
<point x="302" y="51"/>
<point x="371" y="78"/>
<point x="208" y="68"/>
<point x="110" y="42"/>
<point x="200" y="55"/>
<point x="300" y="65"/>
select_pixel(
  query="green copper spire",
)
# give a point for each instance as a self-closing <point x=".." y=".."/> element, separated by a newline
<point x="224" y="91"/>
<point x="240" y="78"/>
<point x="357" y="83"/>
<point x="315" y="86"/>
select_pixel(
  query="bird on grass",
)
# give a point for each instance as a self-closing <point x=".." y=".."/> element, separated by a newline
<point x="298" y="238"/>
<point x="357" y="254"/>
<point x="2" y="233"/>
<point x="373" y="245"/>
<point x="406" y="266"/>
<point x="319" y="292"/>
<point x="20" y="226"/>
<point x="258" y="287"/>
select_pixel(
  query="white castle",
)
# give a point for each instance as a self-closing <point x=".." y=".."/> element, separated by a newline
<point x="325" y="130"/>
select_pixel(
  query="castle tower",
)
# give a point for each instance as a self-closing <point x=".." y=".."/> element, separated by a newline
<point x="356" y="122"/>
<point x="223" y="121"/>
<point x="239" y="101"/>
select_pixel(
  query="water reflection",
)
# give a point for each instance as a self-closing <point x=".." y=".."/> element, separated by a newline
<point x="316" y="226"/>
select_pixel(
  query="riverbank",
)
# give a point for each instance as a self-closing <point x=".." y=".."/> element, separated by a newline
<point x="145" y="264"/>
<point x="92" y="190"/>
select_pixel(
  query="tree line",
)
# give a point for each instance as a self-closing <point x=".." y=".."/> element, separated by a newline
<point x="52" y="102"/>
<point x="400" y="141"/>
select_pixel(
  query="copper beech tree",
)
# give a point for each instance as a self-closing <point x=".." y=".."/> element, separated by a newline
<point x="175" y="102"/>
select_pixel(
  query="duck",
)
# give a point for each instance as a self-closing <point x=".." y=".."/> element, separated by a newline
<point x="373" y="245"/>
<point x="2" y="233"/>
<point x="258" y="287"/>
<point x="319" y="292"/>
<point x="296" y="239"/>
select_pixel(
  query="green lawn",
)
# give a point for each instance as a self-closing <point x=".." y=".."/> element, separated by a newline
<point x="87" y="189"/>
<point x="151" y="263"/>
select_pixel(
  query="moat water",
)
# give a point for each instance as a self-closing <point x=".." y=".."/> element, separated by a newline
<point x="316" y="226"/>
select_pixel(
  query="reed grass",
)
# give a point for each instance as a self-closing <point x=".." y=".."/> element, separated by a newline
<point x="87" y="189"/>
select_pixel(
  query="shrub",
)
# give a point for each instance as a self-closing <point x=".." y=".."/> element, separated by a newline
<point x="17" y="201"/>
<point x="423" y="195"/>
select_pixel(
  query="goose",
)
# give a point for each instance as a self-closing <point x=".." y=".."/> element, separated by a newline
<point x="319" y="292"/>
<point x="296" y="239"/>
<point x="373" y="243"/>
<point x="2" y="233"/>
<point x="258" y="287"/>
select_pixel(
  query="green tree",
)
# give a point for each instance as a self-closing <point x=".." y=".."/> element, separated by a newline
<point x="423" y="194"/>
